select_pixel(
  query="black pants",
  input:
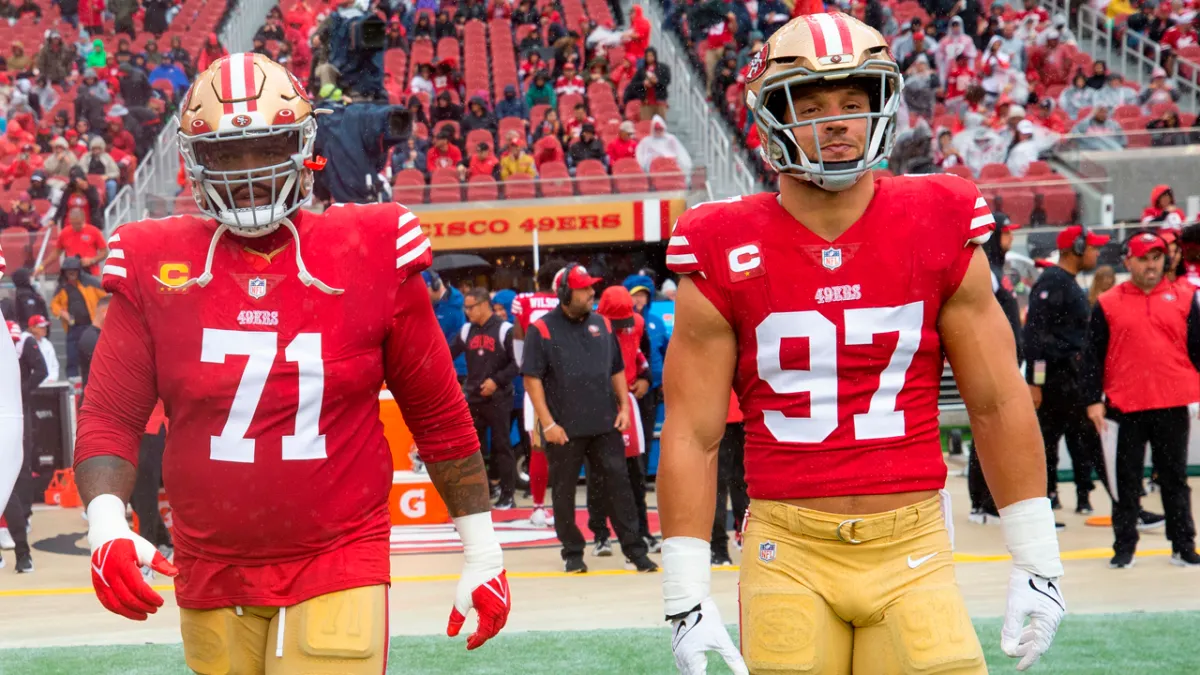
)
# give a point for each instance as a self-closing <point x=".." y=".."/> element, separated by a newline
<point x="606" y="455"/>
<point x="731" y="485"/>
<point x="495" y="414"/>
<point x="16" y="512"/>
<point x="648" y="409"/>
<point x="1167" y="432"/>
<point x="981" y="494"/>
<point x="144" y="497"/>
<point x="597" y="512"/>
<point x="1063" y="413"/>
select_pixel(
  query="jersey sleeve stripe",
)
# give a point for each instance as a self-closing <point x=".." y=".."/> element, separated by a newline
<point x="981" y="221"/>
<point x="115" y="270"/>
<point x="678" y="240"/>
<point x="406" y="218"/>
<point x="116" y="253"/>
<point x="116" y="238"/>
<point x="980" y="203"/>
<point x="682" y="259"/>
<point x="413" y="254"/>
<point x="407" y="237"/>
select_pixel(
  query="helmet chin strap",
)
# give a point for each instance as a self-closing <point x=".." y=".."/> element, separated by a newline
<point x="302" y="271"/>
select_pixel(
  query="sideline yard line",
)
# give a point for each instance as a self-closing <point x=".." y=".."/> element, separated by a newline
<point x="967" y="558"/>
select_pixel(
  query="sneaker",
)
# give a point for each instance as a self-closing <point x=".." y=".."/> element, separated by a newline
<point x="1054" y="503"/>
<point x="1186" y="558"/>
<point x="1121" y="561"/>
<point x="983" y="517"/>
<point x="575" y="566"/>
<point x="1150" y="521"/>
<point x="24" y="564"/>
<point x="6" y="540"/>
<point x="602" y="549"/>
<point x="539" y="518"/>
<point x="504" y="504"/>
<point x="1083" y="506"/>
<point x="642" y="563"/>
<point x="653" y="545"/>
<point x="495" y="492"/>
<point x="1059" y="526"/>
<point x="720" y="558"/>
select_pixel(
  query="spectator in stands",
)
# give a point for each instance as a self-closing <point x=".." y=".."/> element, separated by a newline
<point x="97" y="57"/>
<point x="1140" y="22"/>
<point x="511" y="105"/>
<point x="22" y="215"/>
<point x="574" y="125"/>
<point x="1013" y="45"/>
<point x="904" y="45"/>
<point x="445" y="109"/>
<point x="725" y="77"/>
<point x="55" y="60"/>
<point x="443" y="154"/>
<point x="40" y="189"/>
<point x="516" y="161"/>
<point x="62" y="161"/>
<point x="1099" y="75"/>
<point x="995" y="66"/>
<point x="1043" y="116"/>
<point x="637" y="38"/>
<point x="945" y="155"/>
<point x="570" y="82"/>
<point x="83" y="241"/>
<point x="531" y="63"/>
<point x="79" y="194"/>
<point x="1161" y="23"/>
<point x="169" y="71"/>
<point x="100" y="163"/>
<point x="184" y="60"/>
<point x="1077" y="96"/>
<point x="422" y="80"/>
<point x="624" y="145"/>
<point x="123" y="11"/>
<point x="1051" y="62"/>
<point x="660" y="143"/>
<point x="1025" y="151"/>
<point x="410" y="155"/>
<point x="444" y="27"/>
<point x="649" y="85"/>
<point x="135" y="86"/>
<point x="152" y="55"/>
<point x="422" y="27"/>
<point x="1162" y="210"/>
<point x="956" y="43"/>
<point x="1160" y="90"/>
<point x="588" y="146"/>
<point x="921" y="88"/>
<point x="1103" y="132"/>
<point x="1114" y="93"/>
<point x="913" y="152"/>
<point x="478" y="117"/>
<point x="977" y="144"/>
<point x="416" y="112"/>
<point x="483" y="163"/>
<point x="91" y="16"/>
<point x="18" y="61"/>
<point x="1165" y="125"/>
<point x="525" y="14"/>
<point x="1182" y="34"/>
<point x="210" y="52"/>
<point x="123" y="54"/>
<point x="28" y="301"/>
<point x="549" y="126"/>
<point x="541" y="92"/>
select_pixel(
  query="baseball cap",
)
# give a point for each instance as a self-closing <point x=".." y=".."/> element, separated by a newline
<point x="1142" y="244"/>
<point x="578" y="277"/>
<point x="1068" y="235"/>
<point x="1025" y="127"/>
<point x="14" y="330"/>
<point x="38" y="321"/>
<point x="1004" y="223"/>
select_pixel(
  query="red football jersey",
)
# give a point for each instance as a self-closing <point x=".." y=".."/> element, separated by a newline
<point x="2" y="263"/>
<point x="276" y="462"/>
<point x="530" y="307"/>
<point x="839" y="357"/>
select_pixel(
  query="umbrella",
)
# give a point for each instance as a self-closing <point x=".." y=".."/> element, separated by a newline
<point x="459" y="261"/>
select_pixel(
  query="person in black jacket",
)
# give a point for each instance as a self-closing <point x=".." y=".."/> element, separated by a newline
<point x="588" y="146"/>
<point x="28" y="300"/>
<point x="487" y="341"/>
<point x="33" y="371"/>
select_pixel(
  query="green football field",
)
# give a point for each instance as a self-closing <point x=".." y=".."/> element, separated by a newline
<point x="1128" y="644"/>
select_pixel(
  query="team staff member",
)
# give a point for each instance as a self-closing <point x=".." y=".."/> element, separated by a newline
<point x="1147" y="315"/>
<point x="16" y="512"/>
<point x="575" y="376"/>
<point x="487" y="341"/>
<point x="1055" y="328"/>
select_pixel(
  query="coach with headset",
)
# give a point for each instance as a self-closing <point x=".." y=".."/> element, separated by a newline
<point x="575" y="378"/>
<point x="1055" y="331"/>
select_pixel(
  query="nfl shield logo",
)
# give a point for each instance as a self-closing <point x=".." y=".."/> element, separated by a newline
<point x="831" y="258"/>
<point x="257" y="288"/>
<point x="766" y="551"/>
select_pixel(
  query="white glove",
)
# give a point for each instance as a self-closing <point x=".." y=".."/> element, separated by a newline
<point x="700" y="632"/>
<point x="118" y="555"/>
<point x="696" y="623"/>
<point x="483" y="585"/>
<point x="1034" y="592"/>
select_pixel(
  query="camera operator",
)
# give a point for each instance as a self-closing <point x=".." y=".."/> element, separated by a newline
<point x="351" y="173"/>
<point x="354" y="41"/>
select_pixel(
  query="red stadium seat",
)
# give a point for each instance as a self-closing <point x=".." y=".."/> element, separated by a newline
<point x="633" y="110"/>
<point x="1059" y="205"/>
<point x="1039" y="169"/>
<point x="992" y="172"/>
<point x="437" y="128"/>
<point x="960" y="170"/>
<point x="556" y="180"/>
<point x="444" y="187"/>
<point x="511" y="124"/>
<point x="547" y="149"/>
<point x="628" y="177"/>
<point x="1125" y="112"/>
<point x="480" y="136"/>
<point x="592" y="178"/>
<point x="520" y="187"/>
<point x="1016" y="202"/>
<point x="408" y="187"/>
<point x="482" y="189"/>
<point x="665" y="174"/>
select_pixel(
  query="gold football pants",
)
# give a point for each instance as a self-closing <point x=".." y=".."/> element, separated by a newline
<point x="344" y="632"/>
<point x="828" y="594"/>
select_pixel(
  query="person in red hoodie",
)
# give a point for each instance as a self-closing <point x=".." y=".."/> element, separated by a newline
<point x="119" y="137"/>
<point x="959" y="78"/>
<point x="1182" y="35"/>
<point x="616" y="305"/>
<point x="1162" y="210"/>
<point x="624" y="145"/>
<point x="443" y="154"/>
<point x="731" y="484"/>
<point x="637" y="38"/>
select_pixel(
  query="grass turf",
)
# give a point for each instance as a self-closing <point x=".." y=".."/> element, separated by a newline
<point x="1126" y="644"/>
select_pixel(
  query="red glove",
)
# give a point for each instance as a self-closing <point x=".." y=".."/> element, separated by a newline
<point x="492" y="601"/>
<point x="117" y="558"/>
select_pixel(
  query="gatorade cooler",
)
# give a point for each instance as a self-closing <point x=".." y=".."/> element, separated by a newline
<point x="413" y="500"/>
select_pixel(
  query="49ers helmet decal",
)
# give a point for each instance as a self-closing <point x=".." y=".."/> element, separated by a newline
<point x="823" y="49"/>
<point x="239" y="99"/>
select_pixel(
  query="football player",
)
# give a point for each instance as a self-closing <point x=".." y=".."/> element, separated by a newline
<point x="12" y="452"/>
<point x="829" y="307"/>
<point x="277" y="465"/>
<point x="527" y="308"/>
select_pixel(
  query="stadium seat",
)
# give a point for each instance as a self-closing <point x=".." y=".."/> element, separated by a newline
<point x="628" y="176"/>
<point x="642" y="127"/>
<point x="1135" y="132"/>
<point x="592" y="178"/>
<point x="511" y="124"/>
<point x="444" y="187"/>
<point x="1016" y="202"/>
<point x="1059" y="205"/>
<point x="520" y="187"/>
<point x="547" y="149"/>
<point x="1125" y="112"/>
<point x="480" y="136"/>
<point x="538" y="112"/>
<point x="665" y="174"/>
<point x="482" y="189"/>
<point x="1160" y="109"/>
<point x="633" y="110"/>
<point x="437" y="128"/>
<point x="555" y="180"/>
<point x="960" y="170"/>
<point x="993" y="171"/>
<point x="408" y="187"/>
<point x="1039" y="168"/>
<point x="420" y="131"/>
<point x="447" y="48"/>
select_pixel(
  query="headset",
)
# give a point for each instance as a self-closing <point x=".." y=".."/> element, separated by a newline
<point x="1079" y="246"/>
<point x="562" y="286"/>
<point x="1139" y="232"/>
<point x="432" y="280"/>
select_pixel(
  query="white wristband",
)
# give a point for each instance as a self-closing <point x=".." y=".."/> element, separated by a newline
<point x="1032" y="538"/>
<point x="481" y="548"/>
<point x="106" y="520"/>
<point x="687" y="573"/>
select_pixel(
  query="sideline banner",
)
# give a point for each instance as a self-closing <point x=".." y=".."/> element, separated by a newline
<point x="460" y="228"/>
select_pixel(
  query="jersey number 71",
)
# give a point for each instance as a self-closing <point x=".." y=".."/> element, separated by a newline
<point x="261" y="348"/>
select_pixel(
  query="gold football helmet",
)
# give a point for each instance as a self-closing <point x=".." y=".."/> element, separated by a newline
<point x="244" y="108"/>
<point x="821" y="49"/>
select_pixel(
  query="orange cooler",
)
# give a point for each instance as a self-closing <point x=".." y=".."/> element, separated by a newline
<point x="413" y="500"/>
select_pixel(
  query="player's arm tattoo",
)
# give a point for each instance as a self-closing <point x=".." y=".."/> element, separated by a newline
<point x="106" y="474"/>
<point x="463" y="484"/>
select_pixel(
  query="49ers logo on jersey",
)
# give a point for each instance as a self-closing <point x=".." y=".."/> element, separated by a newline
<point x="745" y="262"/>
<point x="838" y="293"/>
